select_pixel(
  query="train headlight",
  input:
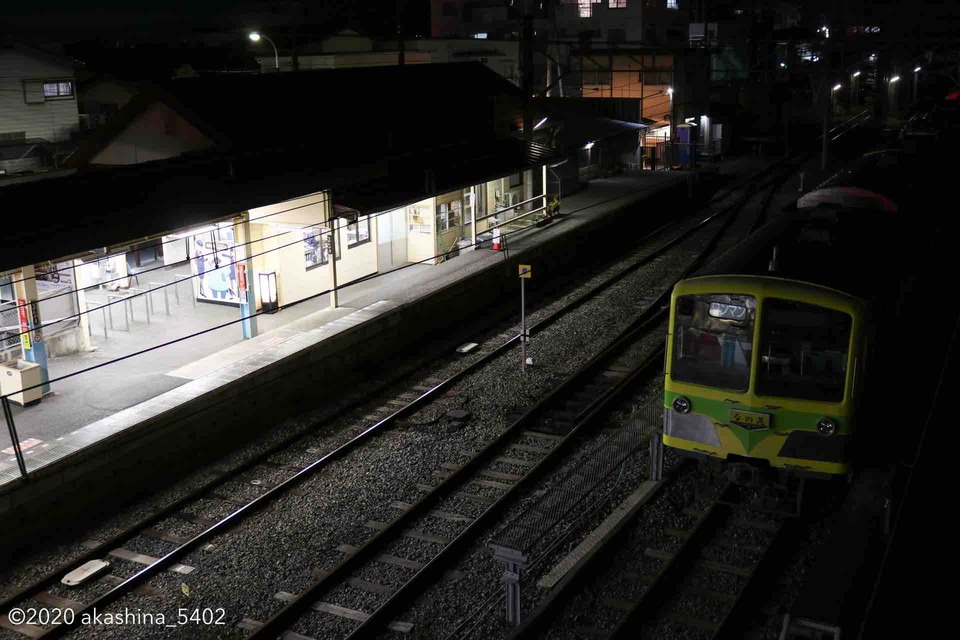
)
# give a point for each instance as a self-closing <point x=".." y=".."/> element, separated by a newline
<point x="681" y="405"/>
<point x="826" y="426"/>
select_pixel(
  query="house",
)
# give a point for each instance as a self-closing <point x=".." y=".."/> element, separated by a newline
<point x="38" y="106"/>
<point x="367" y="112"/>
<point x="100" y="97"/>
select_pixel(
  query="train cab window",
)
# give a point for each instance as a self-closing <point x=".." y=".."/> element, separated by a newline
<point x="803" y="351"/>
<point x="713" y="340"/>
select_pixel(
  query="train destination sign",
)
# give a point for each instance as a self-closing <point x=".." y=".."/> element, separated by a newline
<point x="750" y="420"/>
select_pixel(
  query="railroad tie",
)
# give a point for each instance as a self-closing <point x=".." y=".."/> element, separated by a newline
<point x="283" y="465"/>
<point x="156" y="534"/>
<point x="143" y="589"/>
<point x="297" y="491"/>
<point x="541" y="435"/>
<point x="531" y="448"/>
<point x="622" y="605"/>
<point x="371" y="587"/>
<point x="344" y="612"/>
<point x="490" y="484"/>
<point x="249" y="624"/>
<point x="140" y="558"/>
<point x="409" y="533"/>
<point x="496" y="475"/>
<point x="693" y="621"/>
<point x="443" y="515"/>
<point x="228" y="499"/>
<point x="57" y="602"/>
<point x="384" y="558"/>
<point x="29" y="630"/>
<point x="753" y="524"/>
<point x="195" y="519"/>
<point x="665" y="556"/>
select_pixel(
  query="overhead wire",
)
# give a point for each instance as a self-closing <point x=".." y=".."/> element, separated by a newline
<point x="367" y="278"/>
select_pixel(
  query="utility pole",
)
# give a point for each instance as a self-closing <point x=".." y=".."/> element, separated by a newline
<point x="526" y="71"/>
<point x="401" y="51"/>
<point x="825" y="98"/>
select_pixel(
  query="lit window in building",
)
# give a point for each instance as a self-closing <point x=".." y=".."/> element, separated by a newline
<point x="480" y="36"/>
<point x="618" y="4"/>
<point x="672" y="4"/>
<point x="57" y="89"/>
<point x="358" y="232"/>
<point x="448" y="215"/>
<point x="316" y="247"/>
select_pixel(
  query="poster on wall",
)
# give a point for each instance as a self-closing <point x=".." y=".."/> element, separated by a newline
<point x="419" y="218"/>
<point x="214" y="257"/>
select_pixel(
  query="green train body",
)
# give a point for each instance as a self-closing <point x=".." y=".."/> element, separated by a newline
<point x="764" y="369"/>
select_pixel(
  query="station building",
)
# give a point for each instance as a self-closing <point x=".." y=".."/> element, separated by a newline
<point x="185" y="213"/>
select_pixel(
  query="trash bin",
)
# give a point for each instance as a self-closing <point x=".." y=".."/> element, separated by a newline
<point x="16" y="376"/>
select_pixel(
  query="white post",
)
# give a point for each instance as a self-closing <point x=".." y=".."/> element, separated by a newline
<point x="544" y="178"/>
<point x="473" y="215"/>
<point x="334" y="299"/>
<point x="523" y="325"/>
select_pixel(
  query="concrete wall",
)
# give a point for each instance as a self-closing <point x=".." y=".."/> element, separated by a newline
<point x="21" y="77"/>
<point x="98" y="479"/>
<point x="421" y="244"/>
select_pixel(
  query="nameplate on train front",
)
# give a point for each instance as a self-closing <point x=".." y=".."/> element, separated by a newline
<point x="750" y="420"/>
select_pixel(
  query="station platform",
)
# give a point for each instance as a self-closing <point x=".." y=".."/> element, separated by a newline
<point x="162" y="402"/>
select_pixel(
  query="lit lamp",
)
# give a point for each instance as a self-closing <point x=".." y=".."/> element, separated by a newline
<point x="268" y="292"/>
<point x="255" y="37"/>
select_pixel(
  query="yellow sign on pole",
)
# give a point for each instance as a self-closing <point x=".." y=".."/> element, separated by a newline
<point x="525" y="271"/>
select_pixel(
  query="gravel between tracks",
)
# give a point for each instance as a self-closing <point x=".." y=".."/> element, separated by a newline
<point x="280" y="547"/>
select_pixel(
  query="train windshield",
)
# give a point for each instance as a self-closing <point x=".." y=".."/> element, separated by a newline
<point x="713" y="340"/>
<point x="803" y="351"/>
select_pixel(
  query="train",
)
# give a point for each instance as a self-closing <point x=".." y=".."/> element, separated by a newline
<point x="768" y="348"/>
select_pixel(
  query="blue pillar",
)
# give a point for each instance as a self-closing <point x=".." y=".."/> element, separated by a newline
<point x="34" y="349"/>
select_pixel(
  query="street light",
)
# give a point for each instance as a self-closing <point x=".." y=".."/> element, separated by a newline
<point x="894" y="79"/>
<point x="255" y="37"/>
<point x="917" y="69"/>
<point x="836" y="87"/>
<point x="856" y="74"/>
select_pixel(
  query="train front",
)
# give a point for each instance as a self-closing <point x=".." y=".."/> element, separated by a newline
<point x="762" y="370"/>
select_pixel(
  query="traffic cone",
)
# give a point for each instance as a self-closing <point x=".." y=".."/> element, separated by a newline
<point x="496" y="239"/>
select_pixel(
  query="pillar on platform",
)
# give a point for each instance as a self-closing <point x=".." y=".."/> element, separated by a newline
<point x="245" y="277"/>
<point x="31" y="326"/>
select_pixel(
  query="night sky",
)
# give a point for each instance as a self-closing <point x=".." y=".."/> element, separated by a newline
<point x="152" y="20"/>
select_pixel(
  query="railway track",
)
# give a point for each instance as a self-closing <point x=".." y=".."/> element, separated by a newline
<point x="112" y="587"/>
<point x="699" y="581"/>
<point x="531" y="444"/>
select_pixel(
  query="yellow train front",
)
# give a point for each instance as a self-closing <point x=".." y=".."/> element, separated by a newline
<point x="764" y="370"/>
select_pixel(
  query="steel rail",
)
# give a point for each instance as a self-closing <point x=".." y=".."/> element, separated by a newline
<point x="664" y="583"/>
<point x="660" y="589"/>
<point x="654" y="312"/>
<point x="230" y="520"/>
<point x="277" y="623"/>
